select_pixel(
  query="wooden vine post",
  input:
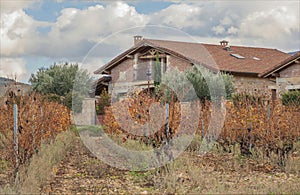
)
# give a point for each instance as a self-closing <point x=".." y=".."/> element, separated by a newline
<point x="16" y="143"/>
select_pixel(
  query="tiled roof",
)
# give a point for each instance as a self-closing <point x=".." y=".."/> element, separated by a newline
<point x="256" y="60"/>
<point x="280" y="65"/>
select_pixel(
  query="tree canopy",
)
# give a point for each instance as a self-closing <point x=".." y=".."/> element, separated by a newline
<point x="63" y="80"/>
<point x="196" y="82"/>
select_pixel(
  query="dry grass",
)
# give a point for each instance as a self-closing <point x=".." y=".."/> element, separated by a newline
<point x="211" y="175"/>
<point x="216" y="172"/>
<point x="42" y="165"/>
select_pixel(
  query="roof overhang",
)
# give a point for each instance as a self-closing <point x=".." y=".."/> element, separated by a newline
<point x="105" y="69"/>
<point x="289" y="61"/>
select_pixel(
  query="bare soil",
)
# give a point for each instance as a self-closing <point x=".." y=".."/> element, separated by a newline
<point x="80" y="172"/>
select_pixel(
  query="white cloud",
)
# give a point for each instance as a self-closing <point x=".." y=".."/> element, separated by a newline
<point x="91" y="64"/>
<point x="270" y="25"/>
<point x="179" y="16"/>
<point x="13" y="67"/>
<point x="10" y="6"/>
<point x="218" y="29"/>
<point x="226" y="21"/>
<point x="232" y="30"/>
<point x="17" y="31"/>
<point x="276" y="27"/>
<point x="97" y="21"/>
<point x="75" y="31"/>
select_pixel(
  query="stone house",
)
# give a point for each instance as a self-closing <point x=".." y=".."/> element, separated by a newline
<point x="285" y="75"/>
<point x="134" y="67"/>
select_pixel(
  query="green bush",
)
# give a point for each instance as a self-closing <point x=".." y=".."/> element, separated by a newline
<point x="206" y="84"/>
<point x="64" y="83"/>
<point x="103" y="101"/>
<point x="246" y="99"/>
<point x="291" y="98"/>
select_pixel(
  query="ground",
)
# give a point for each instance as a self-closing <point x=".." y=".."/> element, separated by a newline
<point x="81" y="172"/>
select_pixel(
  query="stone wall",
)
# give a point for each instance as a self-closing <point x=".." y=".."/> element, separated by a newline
<point x="289" y="79"/>
<point x="253" y="85"/>
<point x="19" y="89"/>
<point x="123" y="74"/>
<point x="291" y="71"/>
<point x="88" y="113"/>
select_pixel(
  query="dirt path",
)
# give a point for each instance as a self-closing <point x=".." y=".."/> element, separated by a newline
<point x="81" y="172"/>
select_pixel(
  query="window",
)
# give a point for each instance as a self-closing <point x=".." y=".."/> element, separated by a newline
<point x="238" y="56"/>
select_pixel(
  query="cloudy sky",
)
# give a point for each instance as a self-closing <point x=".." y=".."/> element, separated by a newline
<point x="38" y="33"/>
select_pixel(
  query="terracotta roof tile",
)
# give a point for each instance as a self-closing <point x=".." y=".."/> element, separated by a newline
<point x="280" y="65"/>
<point x="256" y="60"/>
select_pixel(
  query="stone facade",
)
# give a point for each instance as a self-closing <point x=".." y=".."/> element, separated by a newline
<point x="291" y="71"/>
<point x="135" y="72"/>
<point x="134" y="67"/>
<point x="253" y="85"/>
<point x="124" y="79"/>
<point x="132" y="74"/>
<point x="289" y="79"/>
<point x="18" y="89"/>
<point x="88" y="113"/>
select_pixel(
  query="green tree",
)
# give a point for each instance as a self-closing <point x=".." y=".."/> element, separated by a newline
<point x="210" y="85"/>
<point x="157" y="70"/>
<point x="197" y="82"/>
<point x="66" y="81"/>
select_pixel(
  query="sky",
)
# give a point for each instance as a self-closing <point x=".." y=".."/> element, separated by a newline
<point x="39" y="33"/>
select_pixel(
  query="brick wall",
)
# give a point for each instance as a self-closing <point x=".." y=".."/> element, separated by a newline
<point x="125" y="69"/>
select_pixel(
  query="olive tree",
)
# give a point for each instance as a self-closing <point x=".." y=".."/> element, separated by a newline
<point x="207" y="85"/>
<point x="65" y="81"/>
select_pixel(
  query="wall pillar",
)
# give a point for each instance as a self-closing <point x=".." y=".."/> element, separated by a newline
<point x="168" y="62"/>
<point x="162" y="66"/>
<point x="135" y="66"/>
<point x="88" y="113"/>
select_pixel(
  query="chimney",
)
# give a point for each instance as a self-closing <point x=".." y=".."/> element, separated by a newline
<point x="224" y="43"/>
<point x="137" y="39"/>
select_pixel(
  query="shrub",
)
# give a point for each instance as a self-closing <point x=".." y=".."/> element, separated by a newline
<point x="243" y="99"/>
<point x="291" y="98"/>
<point x="65" y="81"/>
<point x="103" y="101"/>
<point x="206" y="85"/>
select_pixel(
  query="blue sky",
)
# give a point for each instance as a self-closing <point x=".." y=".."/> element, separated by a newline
<point x="38" y="33"/>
